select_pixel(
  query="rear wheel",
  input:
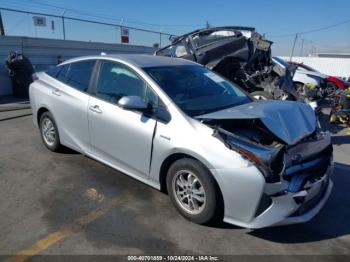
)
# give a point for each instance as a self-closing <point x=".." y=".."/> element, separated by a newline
<point x="194" y="191"/>
<point x="49" y="132"/>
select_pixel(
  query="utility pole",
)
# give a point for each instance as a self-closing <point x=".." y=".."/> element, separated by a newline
<point x="302" y="47"/>
<point x="295" y="41"/>
<point x="63" y="25"/>
<point x="2" y="31"/>
<point x="207" y="25"/>
<point x="313" y="48"/>
<point x="160" y="37"/>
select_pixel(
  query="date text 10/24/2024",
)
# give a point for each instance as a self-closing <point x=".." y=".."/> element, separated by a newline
<point x="173" y="258"/>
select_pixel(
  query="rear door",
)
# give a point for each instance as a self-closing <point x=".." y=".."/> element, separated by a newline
<point x="120" y="137"/>
<point x="70" y="103"/>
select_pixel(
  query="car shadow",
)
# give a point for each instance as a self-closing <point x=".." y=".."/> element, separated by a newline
<point x="330" y="223"/>
<point x="67" y="151"/>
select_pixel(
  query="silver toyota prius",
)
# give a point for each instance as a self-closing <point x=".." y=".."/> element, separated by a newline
<point x="183" y="129"/>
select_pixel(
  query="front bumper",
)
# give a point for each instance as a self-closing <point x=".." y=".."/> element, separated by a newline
<point x="289" y="207"/>
<point x="304" y="217"/>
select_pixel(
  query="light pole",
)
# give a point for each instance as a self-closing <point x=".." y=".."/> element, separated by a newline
<point x="160" y="37"/>
<point x="63" y="25"/>
<point x="302" y="47"/>
<point x="295" y="40"/>
<point x="2" y="31"/>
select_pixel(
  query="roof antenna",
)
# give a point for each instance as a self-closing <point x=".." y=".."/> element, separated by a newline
<point x="207" y="25"/>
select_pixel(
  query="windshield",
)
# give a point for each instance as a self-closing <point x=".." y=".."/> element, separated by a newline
<point x="281" y="61"/>
<point x="196" y="89"/>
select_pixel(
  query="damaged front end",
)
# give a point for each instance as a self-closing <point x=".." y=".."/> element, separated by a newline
<point x="282" y="140"/>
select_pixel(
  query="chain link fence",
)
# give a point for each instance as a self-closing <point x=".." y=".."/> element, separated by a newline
<point x="42" y="25"/>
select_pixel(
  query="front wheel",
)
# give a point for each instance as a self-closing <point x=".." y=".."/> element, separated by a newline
<point x="194" y="191"/>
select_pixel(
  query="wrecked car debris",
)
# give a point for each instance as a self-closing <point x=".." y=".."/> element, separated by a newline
<point x="238" y="53"/>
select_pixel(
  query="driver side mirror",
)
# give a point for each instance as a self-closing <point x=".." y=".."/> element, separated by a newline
<point x="133" y="103"/>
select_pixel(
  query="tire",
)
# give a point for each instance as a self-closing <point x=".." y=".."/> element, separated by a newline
<point x="210" y="209"/>
<point x="261" y="95"/>
<point x="49" y="132"/>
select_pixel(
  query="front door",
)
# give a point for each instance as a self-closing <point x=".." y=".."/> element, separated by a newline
<point x="120" y="137"/>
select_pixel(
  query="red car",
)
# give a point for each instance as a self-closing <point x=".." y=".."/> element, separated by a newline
<point x="336" y="82"/>
<point x="341" y="84"/>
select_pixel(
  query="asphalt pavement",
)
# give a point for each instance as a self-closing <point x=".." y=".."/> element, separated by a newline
<point x="68" y="204"/>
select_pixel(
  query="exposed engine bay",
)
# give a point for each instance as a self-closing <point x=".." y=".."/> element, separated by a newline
<point x="296" y="158"/>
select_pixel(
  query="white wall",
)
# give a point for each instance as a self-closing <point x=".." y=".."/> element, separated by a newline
<point x="44" y="52"/>
<point x="330" y="66"/>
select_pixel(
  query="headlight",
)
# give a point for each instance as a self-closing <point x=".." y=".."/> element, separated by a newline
<point x="271" y="171"/>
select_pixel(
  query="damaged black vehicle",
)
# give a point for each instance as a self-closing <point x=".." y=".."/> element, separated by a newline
<point x="238" y="53"/>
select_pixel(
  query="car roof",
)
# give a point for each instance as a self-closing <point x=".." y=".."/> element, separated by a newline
<point x="138" y="60"/>
<point x="238" y="28"/>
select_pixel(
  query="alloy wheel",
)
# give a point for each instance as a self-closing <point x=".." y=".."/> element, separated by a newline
<point x="189" y="192"/>
<point x="48" y="131"/>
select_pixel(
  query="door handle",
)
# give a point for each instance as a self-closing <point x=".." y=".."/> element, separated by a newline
<point x="56" y="92"/>
<point x="95" y="109"/>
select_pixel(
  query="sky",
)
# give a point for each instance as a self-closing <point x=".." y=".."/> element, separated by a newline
<point x="274" y="18"/>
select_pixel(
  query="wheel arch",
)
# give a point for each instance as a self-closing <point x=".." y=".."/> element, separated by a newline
<point x="39" y="113"/>
<point x="169" y="160"/>
<point x="176" y="156"/>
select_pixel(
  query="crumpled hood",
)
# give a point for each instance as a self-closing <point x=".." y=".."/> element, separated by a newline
<point x="289" y="121"/>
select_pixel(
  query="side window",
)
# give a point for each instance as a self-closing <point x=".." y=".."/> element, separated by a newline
<point x="53" y="71"/>
<point x="61" y="75"/>
<point x="165" y="52"/>
<point x="152" y="98"/>
<point x="58" y="72"/>
<point x="179" y="50"/>
<point x="116" y="81"/>
<point x="77" y="74"/>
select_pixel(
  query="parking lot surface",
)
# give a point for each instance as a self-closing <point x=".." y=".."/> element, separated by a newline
<point x="66" y="203"/>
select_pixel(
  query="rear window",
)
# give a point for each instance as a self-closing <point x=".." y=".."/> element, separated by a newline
<point x="77" y="74"/>
<point x="209" y="37"/>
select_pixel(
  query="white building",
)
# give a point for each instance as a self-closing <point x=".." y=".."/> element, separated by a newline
<point x="333" y="66"/>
